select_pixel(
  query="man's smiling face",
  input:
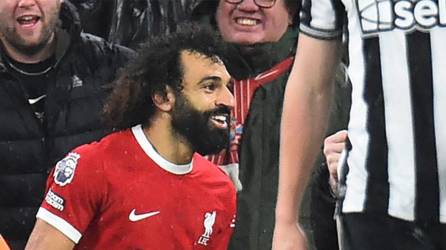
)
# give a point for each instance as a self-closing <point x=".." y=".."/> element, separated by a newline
<point x="247" y="23"/>
<point x="28" y="25"/>
<point x="202" y="108"/>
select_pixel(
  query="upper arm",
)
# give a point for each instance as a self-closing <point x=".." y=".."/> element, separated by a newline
<point x="321" y="26"/>
<point x="316" y="55"/>
<point x="313" y="71"/>
<point x="46" y="237"/>
<point x="75" y="192"/>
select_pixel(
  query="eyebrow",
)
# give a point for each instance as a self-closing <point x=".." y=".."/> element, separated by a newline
<point x="216" y="79"/>
<point x="212" y="78"/>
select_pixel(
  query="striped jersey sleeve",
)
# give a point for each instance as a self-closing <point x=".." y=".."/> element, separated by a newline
<point x="322" y="19"/>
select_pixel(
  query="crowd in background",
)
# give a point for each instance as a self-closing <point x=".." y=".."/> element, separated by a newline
<point x="259" y="65"/>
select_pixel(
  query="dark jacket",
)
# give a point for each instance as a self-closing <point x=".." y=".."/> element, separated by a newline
<point x="77" y="86"/>
<point x="259" y="155"/>
<point x="130" y="22"/>
<point x="259" y="148"/>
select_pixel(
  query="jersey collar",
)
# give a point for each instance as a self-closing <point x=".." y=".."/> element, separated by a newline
<point x="157" y="158"/>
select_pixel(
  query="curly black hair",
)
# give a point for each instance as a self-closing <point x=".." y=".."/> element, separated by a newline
<point x="157" y="66"/>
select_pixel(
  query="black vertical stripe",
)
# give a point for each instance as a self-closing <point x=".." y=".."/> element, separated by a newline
<point x="342" y="185"/>
<point x="420" y="68"/>
<point x="340" y="13"/>
<point x="305" y="14"/>
<point x="377" y="190"/>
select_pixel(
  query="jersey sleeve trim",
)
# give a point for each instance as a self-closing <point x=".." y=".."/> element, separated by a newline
<point x="60" y="224"/>
<point x="320" y="33"/>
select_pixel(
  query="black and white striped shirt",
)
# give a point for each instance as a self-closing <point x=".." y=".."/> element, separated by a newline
<point x="397" y="129"/>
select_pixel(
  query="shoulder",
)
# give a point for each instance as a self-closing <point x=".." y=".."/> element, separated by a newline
<point x="85" y="165"/>
<point x="202" y="164"/>
<point x="107" y="145"/>
<point x="99" y="151"/>
<point x="212" y="173"/>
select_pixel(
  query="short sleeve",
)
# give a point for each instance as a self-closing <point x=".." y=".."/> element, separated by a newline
<point x="75" y="191"/>
<point x="322" y="19"/>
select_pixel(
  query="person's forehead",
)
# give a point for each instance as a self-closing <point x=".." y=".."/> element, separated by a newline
<point x="197" y="65"/>
<point x="196" y="59"/>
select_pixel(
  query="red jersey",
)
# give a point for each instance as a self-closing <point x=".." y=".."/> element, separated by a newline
<point x="119" y="193"/>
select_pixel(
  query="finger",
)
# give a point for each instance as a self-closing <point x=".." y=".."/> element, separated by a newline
<point x="333" y="148"/>
<point x="340" y="136"/>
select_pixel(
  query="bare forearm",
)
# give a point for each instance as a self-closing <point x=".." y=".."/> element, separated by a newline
<point x="304" y="119"/>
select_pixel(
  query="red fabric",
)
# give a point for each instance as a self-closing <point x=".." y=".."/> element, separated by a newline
<point x="115" y="176"/>
<point x="243" y="93"/>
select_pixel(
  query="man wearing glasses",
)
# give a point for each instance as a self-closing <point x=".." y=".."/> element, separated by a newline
<point x="254" y="22"/>
<point x="263" y="33"/>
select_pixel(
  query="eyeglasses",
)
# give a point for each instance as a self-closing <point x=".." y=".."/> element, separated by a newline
<point x="260" y="3"/>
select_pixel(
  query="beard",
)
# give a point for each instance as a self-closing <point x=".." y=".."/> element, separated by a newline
<point x="22" y="45"/>
<point x="197" y="128"/>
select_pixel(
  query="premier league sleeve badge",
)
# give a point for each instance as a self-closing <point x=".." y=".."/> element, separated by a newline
<point x="64" y="172"/>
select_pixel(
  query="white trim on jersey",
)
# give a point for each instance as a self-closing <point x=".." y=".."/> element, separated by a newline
<point x="398" y="106"/>
<point x="322" y="15"/>
<point x="323" y="19"/>
<point x="319" y="33"/>
<point x="439" y="74"/>
<point x="60" y="224"/>
<point x="157" y="158"/>
<point x="357" y="136"/>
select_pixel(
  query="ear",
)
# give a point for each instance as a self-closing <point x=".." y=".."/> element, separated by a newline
<point x="164" y="101"/>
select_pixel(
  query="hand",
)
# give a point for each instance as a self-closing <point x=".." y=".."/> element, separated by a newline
<point x="289" y="237"/>
<point x="333" y="146"/>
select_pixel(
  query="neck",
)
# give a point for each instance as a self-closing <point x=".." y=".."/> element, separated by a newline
<point x="171" y="146"/>
<point x="22" y="57"/>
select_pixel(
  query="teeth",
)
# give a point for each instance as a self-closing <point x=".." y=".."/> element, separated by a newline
<point x="27" y="18"/>
<point x="220" y="118"/>
<point x="246" y="21"/>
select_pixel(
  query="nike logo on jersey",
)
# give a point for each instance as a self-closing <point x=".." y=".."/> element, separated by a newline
<point x="35" y="100"/>
<point x="137" y="217"/>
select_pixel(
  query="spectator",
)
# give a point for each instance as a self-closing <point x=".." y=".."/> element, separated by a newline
<point x="392" y="184"/>
<point x="96" y="16"/>
<point x="53" y="80"/>
<point x="145" y="183"/>
<point x="131" y="22"/>
<point x="136" y="20"/>
<point x="263" y="35"/>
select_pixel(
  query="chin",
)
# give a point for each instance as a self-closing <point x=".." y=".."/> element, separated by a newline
<point x="246" y="39"/>
<point x="213" y="143"/>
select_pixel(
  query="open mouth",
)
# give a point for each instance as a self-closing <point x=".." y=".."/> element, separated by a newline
<point x="220" y="121"/>
<point x="28" y="20"/>
<point x="246" y="21"/>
